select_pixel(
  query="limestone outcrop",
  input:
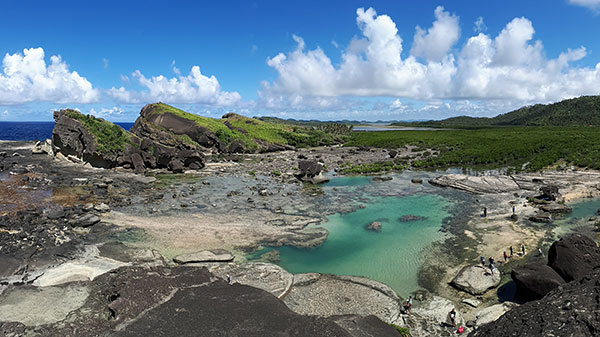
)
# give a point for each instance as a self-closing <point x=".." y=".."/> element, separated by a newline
<point x="476" y="280"/>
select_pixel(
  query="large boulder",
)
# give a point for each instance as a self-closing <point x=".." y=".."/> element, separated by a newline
<point x="491" y="313"/>
<point x="476" y="280"/>
<point x="574" y="256"/>
<point x="310" y="171"/>
<point x="70" y="136"/>
<point x="534" y="281"/>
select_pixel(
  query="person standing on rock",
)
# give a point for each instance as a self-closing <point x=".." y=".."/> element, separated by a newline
<point x="511" y="251"/>
<point x="491" y="260"/>
<point x="482" y="259"/>
<point x="492" y="268"/>
<point x="452" y="315"/>
<point x="523" y="248"/>
<point x="513" y="210"/>
<point x="408" y="305"/>
<point x="505" y="256"/>
<point x="485" y="212"/>
<point x="228" y="279"/>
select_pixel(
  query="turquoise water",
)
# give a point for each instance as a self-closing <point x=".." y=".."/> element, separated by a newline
<point x="392" y="255"/>
<point x="579" y="219"/>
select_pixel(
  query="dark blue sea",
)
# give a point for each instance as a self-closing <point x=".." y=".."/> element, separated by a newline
<point x="33" y="130"/>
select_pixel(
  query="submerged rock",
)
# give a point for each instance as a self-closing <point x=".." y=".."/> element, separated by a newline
<point x="384" y="178"/>
<point x="476" y="280"/>
<point x="410" y="217"/>
<point x="374" y="226"/>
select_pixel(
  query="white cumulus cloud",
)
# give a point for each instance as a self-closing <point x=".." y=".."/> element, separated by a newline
<point x="434" y="44"/>
<point x="26" y="77"/>
<point x="511" y="66"/>
<point x="193" y="88"/>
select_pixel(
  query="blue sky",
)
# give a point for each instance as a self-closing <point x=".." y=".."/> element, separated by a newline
<point x="304" y="60"/>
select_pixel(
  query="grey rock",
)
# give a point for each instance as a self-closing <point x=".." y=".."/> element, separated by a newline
<point x="416" y="180"/>
<point x="218" y="255"/>
<point x="85" y="220"/>
<point x="542" y="217"/>
<point x="472" y="302"/>
<point x="556" y="208"/>
<point x="476" y="280"/>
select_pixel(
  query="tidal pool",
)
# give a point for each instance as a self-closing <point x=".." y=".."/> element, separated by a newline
<point x="392" y="255"/>
<point x="579" y="219"/>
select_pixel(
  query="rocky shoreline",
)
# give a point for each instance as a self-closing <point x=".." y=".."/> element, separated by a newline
<point x="64" y="225"/>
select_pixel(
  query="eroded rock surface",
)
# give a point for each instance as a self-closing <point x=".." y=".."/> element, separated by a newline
<point x="476" y="280"/>
<point x="570" y="310"/>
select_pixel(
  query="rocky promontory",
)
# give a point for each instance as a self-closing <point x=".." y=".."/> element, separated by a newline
<point x="164" y="137"/>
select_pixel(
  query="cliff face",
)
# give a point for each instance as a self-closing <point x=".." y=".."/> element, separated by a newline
<point x="90" y="139"/>
<point x="104" y="144"/>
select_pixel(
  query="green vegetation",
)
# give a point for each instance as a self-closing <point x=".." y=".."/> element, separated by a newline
<point x="404" y="332"/>
<point x="276" y="173"/>
<point x="110" y="138"/>
<point x="253" y="132"/>
<point x="516" y="148"/>
<point x="581" y="111"/>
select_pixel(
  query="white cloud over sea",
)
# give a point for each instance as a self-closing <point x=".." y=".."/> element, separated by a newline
<point x="26" y="77"/>
<point x="511" y="66"/>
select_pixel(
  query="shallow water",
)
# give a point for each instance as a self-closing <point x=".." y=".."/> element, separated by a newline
<point x="579" y="219"/>
<point x="392" y="255"/>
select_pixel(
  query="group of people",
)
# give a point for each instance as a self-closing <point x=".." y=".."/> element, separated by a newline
<point x="491" y="261"/>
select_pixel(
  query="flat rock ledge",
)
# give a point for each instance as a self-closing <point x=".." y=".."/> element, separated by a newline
<point x="327" y="295"/>
<point x="215" y="255"/>
<point x="476" y="280"/>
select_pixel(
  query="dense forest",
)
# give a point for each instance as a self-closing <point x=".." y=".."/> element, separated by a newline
<point x="516" y="148"/>
<point x="581" y="111"/>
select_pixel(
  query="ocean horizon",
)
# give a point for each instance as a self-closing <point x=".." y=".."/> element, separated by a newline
<point x="27" y="131"/>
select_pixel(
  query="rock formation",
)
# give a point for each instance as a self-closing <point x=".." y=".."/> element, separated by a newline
<point x="574" y="256"/>
<point x="570" y="310"/>
<point x="181" y="301"/>
<point x="310" y="171"/>
<point x="476" y="280"/>
<point x="533" y="281"/>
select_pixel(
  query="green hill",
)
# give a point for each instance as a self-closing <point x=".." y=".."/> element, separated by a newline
<point x="256" y="135"/>
<point x="581" y="111"/>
